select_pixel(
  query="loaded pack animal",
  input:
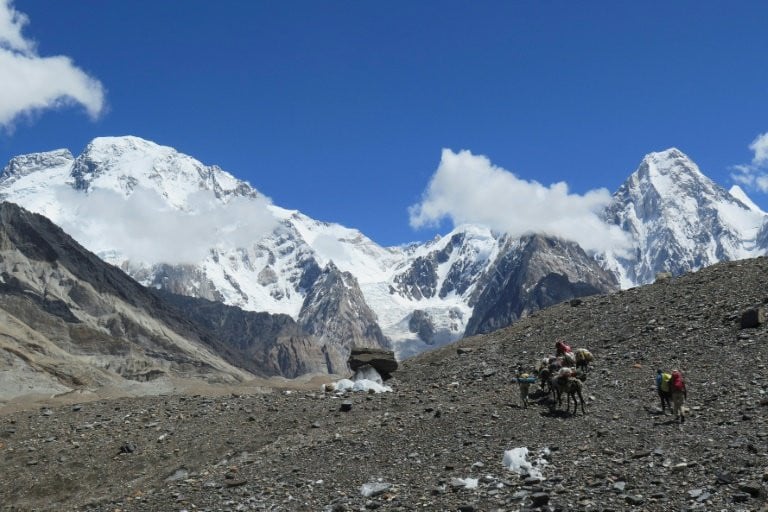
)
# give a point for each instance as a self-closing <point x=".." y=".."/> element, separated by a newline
<point x="548" y="367"/>
<point x="583" y="358"/>
<point x="570" y="383"/>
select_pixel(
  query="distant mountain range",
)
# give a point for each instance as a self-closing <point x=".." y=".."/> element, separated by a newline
<point x="176" y="225"/>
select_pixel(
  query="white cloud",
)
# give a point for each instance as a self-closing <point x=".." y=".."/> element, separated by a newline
<point x="469" y="189"/>
<point x="755" y="174"/>
<point x="760" y="147"/>
<point x="31" y="83"/>
<point x="142" y="227"/>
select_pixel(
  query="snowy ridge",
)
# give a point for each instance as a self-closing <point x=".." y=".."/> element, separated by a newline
<point x="174" y="223"/>
<point x="268" y="268"/>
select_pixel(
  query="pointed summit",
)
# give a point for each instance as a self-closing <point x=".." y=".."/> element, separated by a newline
<point x="669" y="159"/>
<point x="666" y="171"/>
<point x="680" y="219"/>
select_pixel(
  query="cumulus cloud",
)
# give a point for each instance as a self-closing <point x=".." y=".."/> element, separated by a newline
<point x="143" y="228"/>
<point x="754" y="175"/>
<point x="760" y="148"/>
<point x="31" y="83"/>
<point x="469" y="189"/>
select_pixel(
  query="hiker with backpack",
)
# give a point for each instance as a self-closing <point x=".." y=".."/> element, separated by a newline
<point x="678" y="394"/>
<point x="662" y="387"/>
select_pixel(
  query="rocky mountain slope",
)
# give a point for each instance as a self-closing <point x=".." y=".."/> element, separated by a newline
<point x="72" y="323"/>
<point x="437" y="442"/>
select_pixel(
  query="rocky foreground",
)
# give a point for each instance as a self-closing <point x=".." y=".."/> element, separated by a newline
<point x="438" y="440"/>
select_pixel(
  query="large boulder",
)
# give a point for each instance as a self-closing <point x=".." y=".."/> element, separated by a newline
<point x="382" y="360"/>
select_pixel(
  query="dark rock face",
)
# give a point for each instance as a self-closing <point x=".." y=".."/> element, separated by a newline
<point x="452" y="415"/>
<point x="420" y="323"/>
<point x="336" y="314"/>
<point x="262" y="343"/>
<point x="420" y="280"/>
<point x="531" y="274"/>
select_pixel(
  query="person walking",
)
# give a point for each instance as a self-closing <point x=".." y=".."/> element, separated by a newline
<point x="524" y="381"/>
<point x="662" y="387"/>
<point x="678" y="394"/>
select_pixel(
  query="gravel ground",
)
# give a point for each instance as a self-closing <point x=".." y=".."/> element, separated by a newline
<point x="437" y="442"/>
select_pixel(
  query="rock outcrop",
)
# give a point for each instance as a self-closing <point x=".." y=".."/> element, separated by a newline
<point x="383" y="361"/>
<point x="336" y="314"/>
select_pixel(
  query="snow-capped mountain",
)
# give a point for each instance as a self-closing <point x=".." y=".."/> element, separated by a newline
<point x="679" y="219"/>
<point x="175" y="224"/>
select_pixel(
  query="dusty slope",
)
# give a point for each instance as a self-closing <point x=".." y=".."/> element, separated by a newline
<point x="452" y="415"/>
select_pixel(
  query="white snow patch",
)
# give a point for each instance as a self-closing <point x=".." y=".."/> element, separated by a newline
<point x="466" y="483"/>
<point x="365" y="379"/>
<point x="516" y="460"/>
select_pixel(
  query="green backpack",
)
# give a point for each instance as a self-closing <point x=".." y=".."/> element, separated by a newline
<point x="665" y="378"/>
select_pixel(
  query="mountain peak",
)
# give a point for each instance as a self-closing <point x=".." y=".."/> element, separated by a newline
<point x="127" y="162"/>
<point x="669" y="162"/>
<point x="669" y="173"/>
<point x="669" y="153"/>
<point x="127" y="141"/>
<point x="680" y="218"/>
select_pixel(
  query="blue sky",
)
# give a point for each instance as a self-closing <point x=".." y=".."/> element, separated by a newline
<point x="342" y="110"/>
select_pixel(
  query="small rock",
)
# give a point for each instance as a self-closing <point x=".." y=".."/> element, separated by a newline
<point x="752" y="488"/>
<point x="539" y="499"/>
<point x="374" y="489"/>
<point x="724" y="478"/>
<point x="179" y="474"/>
<point x="128" y="447"/>
<point x="740" y="497"/>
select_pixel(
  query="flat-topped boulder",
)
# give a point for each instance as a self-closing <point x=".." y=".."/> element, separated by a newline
<point x="382" y="360"/>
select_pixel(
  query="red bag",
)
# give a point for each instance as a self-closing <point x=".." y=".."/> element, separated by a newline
<point x="677" y="384"/>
